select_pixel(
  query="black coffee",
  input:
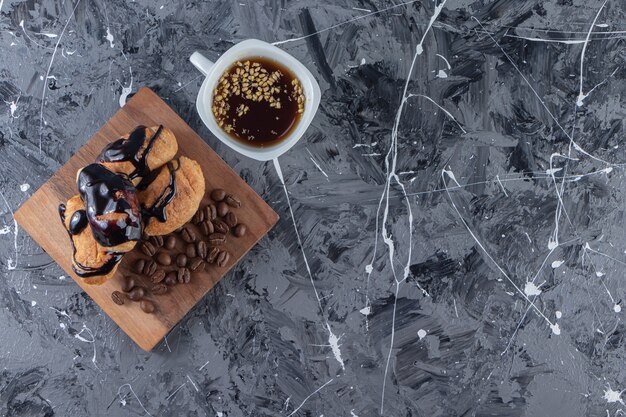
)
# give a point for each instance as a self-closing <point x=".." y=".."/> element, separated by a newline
<point x="258" y="102"/>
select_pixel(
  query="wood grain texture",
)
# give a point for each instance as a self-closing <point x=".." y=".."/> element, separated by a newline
<point x="39" y="217"/>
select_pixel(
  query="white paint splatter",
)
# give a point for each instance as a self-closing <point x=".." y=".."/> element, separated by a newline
<point x="442" y="74"/>
<point x="332" y="339"/>
<point x="613" y="396"/>
<point x="12" y="263"/>
<point x="531" y="289"/>
<point x="123" y="400"/>
<point x="556" y="264"/>
<point x="13" y="107"/>
<point x="344" y="23"/>
<point x="5" y="230"/>
<point x="565" y="41"/>
<point x="450" y="174"/>
<point x="126" y="90"/>
<point x="334" y="346"/>
<point x="366" y="311"/>
<point x="192" y="383"/>
<point x="24" y="187"/>
<point x="109" y="37"/>
<point x="421" y="333"/>
<point x="317" y="165"/>
<point x="441" y="108"/>
<point x="581" y="96"/>
<point x="42" y="122"/>
<point x="558" y="314"/>
<point x="617" y="308"/>
<point x="543" y="104"/>
<point x="92" y="341"/>
<point x="352" y="413"/>
<point x="391" y="160"/>
<point x="309" y="396"/>
<point x="33" y="303"/>
<point x="555" y="329"/>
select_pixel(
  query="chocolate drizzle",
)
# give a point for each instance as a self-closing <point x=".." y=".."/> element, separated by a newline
<point x="112" y="205"/>
<point x="80" y="269"/>
<point x="128" y="150"/>
<point x="78" y="221"/>
<point x="158" y="209"/>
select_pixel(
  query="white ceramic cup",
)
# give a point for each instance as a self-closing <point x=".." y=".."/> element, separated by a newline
<point x="248" y="49"/>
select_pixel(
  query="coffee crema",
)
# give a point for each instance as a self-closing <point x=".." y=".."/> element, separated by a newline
<point x="258" y="102"/>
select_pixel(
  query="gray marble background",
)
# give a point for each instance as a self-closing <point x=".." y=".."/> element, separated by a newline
<point x="459" y="199"/>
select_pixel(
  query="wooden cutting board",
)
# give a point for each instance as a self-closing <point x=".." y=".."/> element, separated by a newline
<point x="39" y="217"/>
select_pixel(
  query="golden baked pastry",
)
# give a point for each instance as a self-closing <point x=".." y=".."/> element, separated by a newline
<point x="138" y="153"/>
<point x="134" y="188"/>
<point x="91" y="261"/>
<point x="173" y="196"/>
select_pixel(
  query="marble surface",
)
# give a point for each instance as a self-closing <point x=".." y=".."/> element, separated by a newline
<point x="451" y="240"/>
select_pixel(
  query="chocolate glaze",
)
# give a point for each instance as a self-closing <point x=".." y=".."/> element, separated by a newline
<point x="78" y="222"/>
<point x="80" y="269"/>
<point x="104" y="193"/>
<point x="128" y="150"/>
<point x="158" y="209"/>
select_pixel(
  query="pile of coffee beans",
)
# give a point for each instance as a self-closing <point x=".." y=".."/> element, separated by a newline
<point x="172" y="259"/>
<point x="133" y="292"/>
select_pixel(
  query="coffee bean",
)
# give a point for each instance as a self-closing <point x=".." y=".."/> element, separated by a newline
<point x="139" y="265"/>
<point x="212" y="255"/>
<point x="217" y="238"/>
<point x="222" y="259"/>
<point x="164" y="259"/>
<point x="159" y="289"/>
<point x="240" y="230"/>
<point x="201" y="249"/>
<point x="220" y="226"/>
<point x="136" y="293"/>
<point x="170" y="278"/>
<point x="170" y="242"/>
<point x="147" y="306"/>
<point x="232" y="201"/>
<point x="181" y="260"/>
<point x="148" y="248"/>
<point x="157" y="241"/>
<point x="117" y="297"/>
<point x="207" y="227"/>
<point x="210" y="212"/>
<point x="190" y="251"/>
<point x="218" y="194"/>
<point x="198" y="217"/>
<point x="158" y="276"/>
<point x="188" y="234"/>
<point x="231" y="219"/>
<point x="196" y="264"/>
<point x="150" y="268"/>
<point x="128" y="283"/>
<point x="222" y="209"/>
<point x="183" y="276"/>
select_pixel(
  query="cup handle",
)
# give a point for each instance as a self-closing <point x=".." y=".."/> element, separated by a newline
<point x="201" y="62"/>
